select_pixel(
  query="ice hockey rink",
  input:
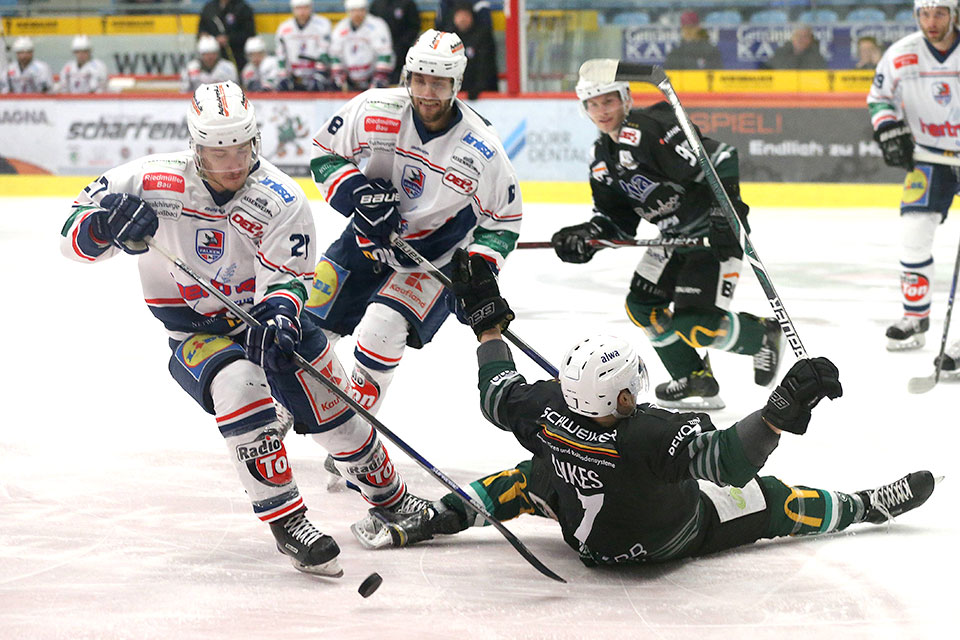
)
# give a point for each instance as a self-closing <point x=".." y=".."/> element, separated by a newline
<point x="121" y="515"/>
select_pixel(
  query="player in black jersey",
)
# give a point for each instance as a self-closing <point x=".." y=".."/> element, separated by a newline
<point x="643" y="168"/>
<point x="622" y="478"/>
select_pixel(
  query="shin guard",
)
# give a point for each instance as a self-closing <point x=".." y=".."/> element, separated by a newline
<point x="381" y="340"/>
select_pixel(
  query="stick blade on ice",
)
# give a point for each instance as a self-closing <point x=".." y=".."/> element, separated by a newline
<point x="921" y="385"/>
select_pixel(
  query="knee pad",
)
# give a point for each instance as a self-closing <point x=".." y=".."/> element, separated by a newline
<point x="381" y="338"/>
<point x="361" y="458"/>
<point x="918" y="230"/>
<point x="241" y="398"/>
<point x="196" y="361"/>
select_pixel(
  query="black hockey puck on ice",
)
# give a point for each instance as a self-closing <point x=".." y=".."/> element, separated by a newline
<point x="371" y="584"/>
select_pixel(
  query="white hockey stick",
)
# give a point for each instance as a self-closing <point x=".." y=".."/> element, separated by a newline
<point x="920" y="154"/>
<point x="605" y="71"/>
<point x="926" y="383"/>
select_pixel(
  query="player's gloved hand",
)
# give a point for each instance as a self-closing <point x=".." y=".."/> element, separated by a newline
<point x="124" y="221"/>
<point x="376" y="215"/>
<point x="572" y="243"/>
<point x="723" y="242"/>
<point x="273" y="343"/>
<point x="896" y="143"/>
<point x="478" y="296"/>
<point x="807" y="383"/>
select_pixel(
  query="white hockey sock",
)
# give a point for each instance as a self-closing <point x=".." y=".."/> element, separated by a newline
<point x="916" y="277"/>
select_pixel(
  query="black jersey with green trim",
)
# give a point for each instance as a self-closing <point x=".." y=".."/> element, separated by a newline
<point x="623" y="494"/>
<point x="651" y="172"/>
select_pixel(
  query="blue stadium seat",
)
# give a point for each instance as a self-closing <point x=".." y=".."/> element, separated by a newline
<point x="866" y="14"/>
<point x="726" y="17"/>
<point x="631" y="18"/>
<point x="904" y="15"/>
<point x="818" y="16"/>
<point x="770" y="16"/>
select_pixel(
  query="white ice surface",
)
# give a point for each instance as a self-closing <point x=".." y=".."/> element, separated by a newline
<point x="121" y="516"/>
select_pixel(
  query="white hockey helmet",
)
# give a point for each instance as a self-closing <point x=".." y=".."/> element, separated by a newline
<point x="207" y="44"/>
<point x="221" y="116"/>
<point x="80" y="43"/>
<point x="931" y="4"/>
<point x="594" y="372"/>
<point x="350" y="5"/>
<point x="587" y="89"/>
<point x="254" y="44"/>
<point x="21" y="44"/>
<point x="436" y="53"/>
<point x="301" y="3"/>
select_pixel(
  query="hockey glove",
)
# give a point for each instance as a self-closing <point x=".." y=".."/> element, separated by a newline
<point x="723" y="242"/>
<point x="478" y="295"/>
<point x="125" y="221"/>
<point x="806" y="384"/>
<point x="572" y="243"/>
<point x="896" y="143"/>
<point x="273" y="343"/>
<point x="376" y="216"/>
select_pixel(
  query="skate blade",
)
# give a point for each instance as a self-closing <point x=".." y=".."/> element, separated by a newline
<point x="329" y="569"/>
<point x="694" y="403"/>
<point x="913" y="342"/>
<point x="371" y="533"/>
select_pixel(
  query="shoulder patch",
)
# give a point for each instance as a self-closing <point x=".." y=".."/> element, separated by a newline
<point x="459" y="182"/>
<point x="262" y="204"/>
<point x="379" y="124"/>
<point x="385" y="105"/>
<point x="629" y="135"/>
<point x="467" y="161"/>
<point x="906" y="60"/>
<point x="161" y="181"/>
<point x="472" y="139"/>
<point x="279" y="189"/>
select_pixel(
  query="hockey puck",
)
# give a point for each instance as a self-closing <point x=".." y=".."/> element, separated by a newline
<point x="371" y="584"/>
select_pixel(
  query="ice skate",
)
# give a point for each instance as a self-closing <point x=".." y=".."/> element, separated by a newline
<point x="889" y="501"/>
<point x="766" y="362"/>
<point x="907" y="333"/>
<point x="699" y="390"/>
<point x="309" y="550"/>
<point x="372" y="531"/>
<point x="950" y="367"/>
<point x="386" y="528"/>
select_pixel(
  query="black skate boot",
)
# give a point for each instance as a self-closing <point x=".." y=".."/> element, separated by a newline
<point x="388" y="528"/>
<point x="886" y="502"/>
<point x="699" y="390"/>
<point x="766" y="362"/>
<point x="310" y="551"/>
<point x="907" y="333"/>
<point x="371" y="532"/>
<point x="950" y="366"/>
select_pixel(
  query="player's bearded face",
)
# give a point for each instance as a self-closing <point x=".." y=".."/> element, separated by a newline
<point x="226" y="168"/>
<point x="605" y="111"/>
<point x="936" y="24"/>
<point x="432" y="96"/>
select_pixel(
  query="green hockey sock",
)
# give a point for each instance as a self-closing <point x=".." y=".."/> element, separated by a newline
<point x="797" y="511"/>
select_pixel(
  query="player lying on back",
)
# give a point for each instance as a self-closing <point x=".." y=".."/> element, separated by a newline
<point x="237" y="220"/>
<point x="632" y="482"/>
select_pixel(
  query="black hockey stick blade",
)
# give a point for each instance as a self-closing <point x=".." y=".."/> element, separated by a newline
<point x="607" y="70"/>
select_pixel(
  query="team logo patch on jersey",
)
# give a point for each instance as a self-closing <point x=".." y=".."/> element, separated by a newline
<point x="459" y="182"/>
<point x="379" y="124"/>
<point x="328" y="279"/>
<point x="629" y="135"/>
<point x="163" y="182"/>
<point x="639" y="188"/>
<point x="941" y="93"/>
<point x="266" y="459"/>
<point x="478" y="143"/>
<point x="278" y="189"/>
<point x="200" y="348"/>
<point x="210" y="244"/>
<point x="905" y="60"/>
<point x="412" y="181"/>
<point x="916" y="187"/>
<point x="245" y="224"/>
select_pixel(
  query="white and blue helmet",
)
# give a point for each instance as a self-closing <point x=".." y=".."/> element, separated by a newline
<point x="594" y="372"/>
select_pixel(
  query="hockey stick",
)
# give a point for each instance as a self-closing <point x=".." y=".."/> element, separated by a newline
<point x="924" y="384"/>
<point x="310" y="370"/>
<point x="607" y="70"/>
<point x="616" y="244"/>
<point x="422" y="262"/>
<point x="223" y="31"/>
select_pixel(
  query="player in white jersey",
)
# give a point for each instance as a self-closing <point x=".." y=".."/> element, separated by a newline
<point x="262" y="72"/>
<point x="237" y="220"/>
<point x="303" y="47"/>
<point x="83" y="74"/>
<point x="361" y="49"/>
<point x="435" y="173"/>
<point x="26" y="74"/>
<point x="915" y="111"/>
<point x="208" y="67"/>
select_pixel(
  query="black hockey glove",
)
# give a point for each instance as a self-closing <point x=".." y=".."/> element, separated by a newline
<point x="272" y="344"/>
<point x="124" y="221"/>
<point x="376" y="216"/>
<point x="723" y="242"/>
<point x="475" y="286"/>
<point x="806" y="384"/>
<point x="896" y="143"/>
<point x="572" y="243"/>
